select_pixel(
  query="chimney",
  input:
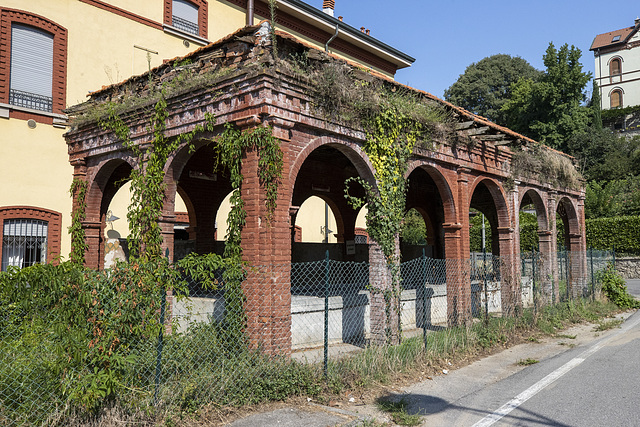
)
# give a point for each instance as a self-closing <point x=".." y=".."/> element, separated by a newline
<point x="368" y="32"/>
<point x="637" y="21"/>
<point x="328" y="6"/>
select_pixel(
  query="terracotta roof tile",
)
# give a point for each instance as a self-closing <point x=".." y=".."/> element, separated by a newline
<point x="606" y="39"/>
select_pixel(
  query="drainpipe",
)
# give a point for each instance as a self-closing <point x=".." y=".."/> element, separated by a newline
<point x="249" y="12"/>
<point x="326" y="45"/>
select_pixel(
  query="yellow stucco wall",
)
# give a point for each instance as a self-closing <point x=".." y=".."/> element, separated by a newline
<point x="35" y="170"/>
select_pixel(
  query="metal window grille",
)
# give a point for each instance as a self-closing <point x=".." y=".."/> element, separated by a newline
<point x="24" y="242"/>
<point x="184" y="25"/>
<point x="30" y="100"/>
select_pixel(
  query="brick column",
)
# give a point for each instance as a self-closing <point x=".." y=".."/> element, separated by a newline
<point x="266" y="246"/>
<point x="548" y="258"/>
<point x="384" y="319"/>
<point x="508" y="286"/>
<point x="457" y="276"/>
<point x="552" y="254"/>
<point x="456" y="236"/>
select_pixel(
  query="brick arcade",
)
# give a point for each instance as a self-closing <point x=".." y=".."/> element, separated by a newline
<point x="445" y="182"/>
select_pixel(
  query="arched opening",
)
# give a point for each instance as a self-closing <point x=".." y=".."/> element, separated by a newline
<point x="492" y="287"/>
<point x="323" y="222"/>
<point x="425" y="201"/>
<point x="109" y="179"/>
<point x="536" y="251"/>
<point x="202" y="192"/>
<point x="320" y="214"/>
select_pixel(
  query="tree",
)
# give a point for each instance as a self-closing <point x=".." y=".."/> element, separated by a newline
<point x="486" y="85"/>
<point x="414" y="231"/>
<point x="551" y="110"/>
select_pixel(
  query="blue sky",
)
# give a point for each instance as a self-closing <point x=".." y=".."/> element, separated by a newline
<point x="446" y="36"/>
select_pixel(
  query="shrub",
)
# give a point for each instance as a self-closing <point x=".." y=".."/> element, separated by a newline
<point x="615" y="288"/>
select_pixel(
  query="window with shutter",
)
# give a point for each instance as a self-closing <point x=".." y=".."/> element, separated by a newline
<point x="185" y="16"/>
<point x="616" y="98"/>
<point x="33" y="66"/>
<point x="31" y="77"/>
<point x="24" y="243"/>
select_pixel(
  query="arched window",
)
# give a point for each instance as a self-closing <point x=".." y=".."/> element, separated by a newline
<point x="616" y="98"/>
<point x="615" y="67"/>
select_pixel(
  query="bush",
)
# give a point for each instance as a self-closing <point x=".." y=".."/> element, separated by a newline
<point x="615" y="288"/>
<point x="620" y="233"/>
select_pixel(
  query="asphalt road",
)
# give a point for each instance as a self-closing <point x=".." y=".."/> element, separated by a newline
<point x="588" y="381"/>
<point x="633" y="285"/>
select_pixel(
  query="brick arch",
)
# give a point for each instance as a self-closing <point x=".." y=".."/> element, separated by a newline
<point x="569" y="213"/>
<point x="103" y="184"/>
<point x="352" y="151"/>
<point x="102" y="176"/>
<point x="499" y="198"/>
<point x="444" y="188"/>
<point x="541" y="209"/>
<point x="428" y="223"/>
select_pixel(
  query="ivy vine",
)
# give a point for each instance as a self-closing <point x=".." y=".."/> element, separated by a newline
<point x="391" y="137"/>
<point x="79" y="246"/>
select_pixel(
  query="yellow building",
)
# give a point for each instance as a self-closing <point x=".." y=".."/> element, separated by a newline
<point x="52" y="53"/>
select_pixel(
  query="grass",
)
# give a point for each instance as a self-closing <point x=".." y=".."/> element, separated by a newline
<point x="398" y="412"/>
<point x="570" y="337"/>
<point x="527" y="362"/>
<point x="605" y="325"/>
<point x="200" y="369"/>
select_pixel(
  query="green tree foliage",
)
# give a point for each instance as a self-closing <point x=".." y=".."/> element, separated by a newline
<point x="414" y="231"/>
<point x="613" y="198"/>
<point x="485" y="85"/>
<point x="551" y="110"/>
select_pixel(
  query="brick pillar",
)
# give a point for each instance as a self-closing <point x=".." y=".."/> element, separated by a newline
<point x="456" y="237"/>
<point x="267" y="247"/>
<point x="553" y="243"/>
<point x="94" y="257"/>
<point x="548" y="258"/>
<point x="457" y="276"/>
<point x="384" y="315"/>
<point x="509" y="289"/>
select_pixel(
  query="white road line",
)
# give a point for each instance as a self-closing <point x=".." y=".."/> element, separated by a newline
<point x="540" y="385"/>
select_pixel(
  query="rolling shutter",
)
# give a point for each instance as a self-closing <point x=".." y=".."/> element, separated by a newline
<point x="185" y="16"/>
<point x="31" y="67"/>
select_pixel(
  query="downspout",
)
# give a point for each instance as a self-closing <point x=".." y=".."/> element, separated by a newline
<point x="326" y="45"/>
<point x="250" y="8"/>
<point x="600" y="73"/>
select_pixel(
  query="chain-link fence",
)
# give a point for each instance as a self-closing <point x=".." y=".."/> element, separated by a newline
<point x="292" y="315"/>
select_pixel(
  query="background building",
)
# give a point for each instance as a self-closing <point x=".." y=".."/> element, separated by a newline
<point x="617" y="56"/>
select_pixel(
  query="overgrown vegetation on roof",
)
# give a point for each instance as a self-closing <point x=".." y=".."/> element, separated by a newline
<point x="541" y="163"/>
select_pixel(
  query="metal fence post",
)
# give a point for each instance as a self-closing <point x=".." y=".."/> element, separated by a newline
<point x="424" y="298"/>
<point x="614" y="257"/>
<point x="163" y="304"/>
<point x="326" y="314"/>
<point x="593" y="283"/>
<point x="486" y="293"/>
